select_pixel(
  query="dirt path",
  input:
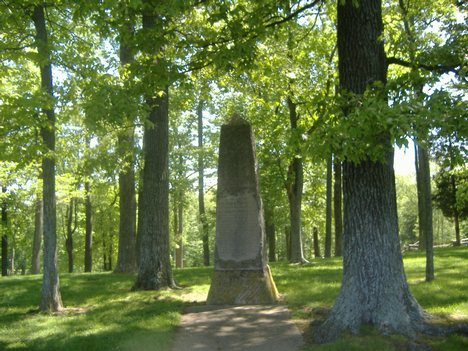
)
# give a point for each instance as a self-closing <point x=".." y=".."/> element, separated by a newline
<point x="246" y="328"/>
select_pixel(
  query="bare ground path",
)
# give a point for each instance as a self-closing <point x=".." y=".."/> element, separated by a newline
<point x="236" y="328"/>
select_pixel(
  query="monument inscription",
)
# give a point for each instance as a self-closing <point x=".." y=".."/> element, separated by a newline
<point x="239" y="223"/>
<point x="241" y="275"/>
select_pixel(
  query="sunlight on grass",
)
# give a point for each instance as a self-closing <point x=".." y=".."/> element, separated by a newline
<point x="103" y="314"/>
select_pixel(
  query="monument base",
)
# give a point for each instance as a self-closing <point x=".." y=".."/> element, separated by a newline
<point x="242" y="287"/>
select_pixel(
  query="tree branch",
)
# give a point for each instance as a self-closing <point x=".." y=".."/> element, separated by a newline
<point x="455" y="68"/>
<point x="293" y="14"/>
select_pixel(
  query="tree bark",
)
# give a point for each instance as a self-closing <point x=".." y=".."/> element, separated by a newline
<point x="294" y="191"/>
<point x="154" y="267"/>
<point x="338" y="211"/>
<point x="4" y="236"/>
<point x="201" y="187"/>
<point x="420" y="191"/>
<point x="126" y="257"/>
<point x="69" y="238"/>
<point x="179" y="228"/>
<point x="456" y="215"/>
<point x="328" y="219"/>
<point x="88" y="258"/>
<point x="287" y="237"/>
<point x="316" y="243"/>
<point x="425" y="216"/>
<point x="51" y="300"/>
<point x="270" y="230"/>
<point x="38" y="227"/>
<point x="374" y="290"/>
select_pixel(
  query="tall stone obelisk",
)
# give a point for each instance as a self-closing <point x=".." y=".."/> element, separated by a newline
<point x="241" y="274"/>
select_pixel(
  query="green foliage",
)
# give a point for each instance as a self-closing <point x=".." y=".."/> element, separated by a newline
<point x="451" y="193"/>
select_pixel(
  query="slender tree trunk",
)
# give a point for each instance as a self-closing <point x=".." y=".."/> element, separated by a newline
<point x="180" y="229"/>
<point x="69" y="238"/>
<point x="374" y="290"/>
<point x="88" y="258"/>
<point x="425" y="216"/>
<point x="201" y="187"/>
<point x="4" y="236"/>
<point x="51" y="300"/>
<point x="294" y="191"/>
<point x="328" y="219"/>
<point x="126" y="257"/>
<point x="4" y="255"/>
<point x="287" y="236"/>
<point x="422" y="207"/>
<point x="13" y="251"/>
<point x="36" y="249"/>
<point x="316" y="243"/>
<point x="154" y="270"/>
<point x="338" y="212"/>
<point x="270" y="231"/>
<point x="456" y="215"/>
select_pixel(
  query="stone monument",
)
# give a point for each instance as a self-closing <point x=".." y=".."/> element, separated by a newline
<point x="241" y="274"/>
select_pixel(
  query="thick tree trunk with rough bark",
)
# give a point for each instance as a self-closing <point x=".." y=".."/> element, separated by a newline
<point x="88" y="258"/>
<point x="154" y="266"/>
<point x="374" y="290"/>
<point x="51" y="300"/>
<point x="38" y="227"/>
<point x="201" y="187"/>
<point x="328" y="211"/>
<point x="126" y="257"/>
<point x="338" y="211"/>
<point x="154" y="269"/>
<point x="294" y="189"/>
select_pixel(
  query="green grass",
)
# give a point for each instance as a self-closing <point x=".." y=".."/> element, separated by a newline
<point x="317" y="285"/>
<point x="103" y="314"/>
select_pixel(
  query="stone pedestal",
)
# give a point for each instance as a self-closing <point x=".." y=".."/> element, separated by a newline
<point x="241" y="275"/>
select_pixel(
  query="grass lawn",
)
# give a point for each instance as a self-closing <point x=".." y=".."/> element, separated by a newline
<point x="102" y="314"/>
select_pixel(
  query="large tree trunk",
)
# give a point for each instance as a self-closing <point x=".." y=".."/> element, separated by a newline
<point x="338" y="211"/>
<point x="374" y="290"/>
<point x="88" y="258"/>
<point x="126" y="257"/>
<point x="51" y="300"/>
<point x="154" y="266"/>
<point x="294" y="191"/>
<point x="328" y="219"/>
<point x="201" y="187"/>
<point x="38" y="225"/>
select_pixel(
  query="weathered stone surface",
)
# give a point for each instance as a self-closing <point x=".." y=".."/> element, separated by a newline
<point x="241" y="272"/>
